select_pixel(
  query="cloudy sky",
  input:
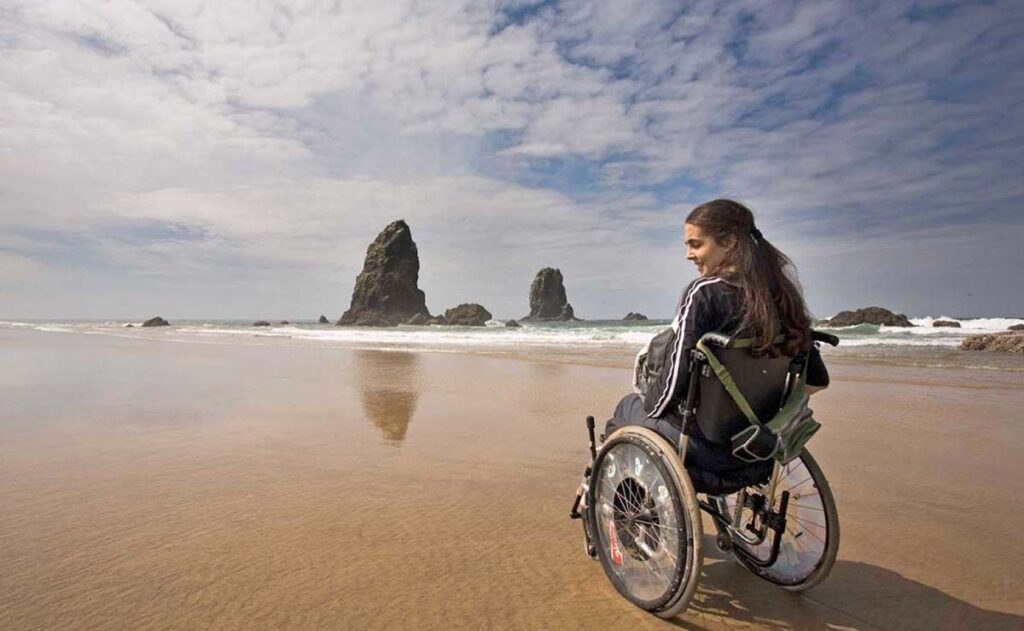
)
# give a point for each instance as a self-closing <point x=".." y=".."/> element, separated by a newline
<point x="234" y="159"/>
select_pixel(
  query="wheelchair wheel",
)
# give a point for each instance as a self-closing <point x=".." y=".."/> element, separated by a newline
<point x="811" y="541"/>
<point x="645" y="519"/>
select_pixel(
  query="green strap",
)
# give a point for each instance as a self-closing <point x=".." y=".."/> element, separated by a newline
<point x="727" y="381"/>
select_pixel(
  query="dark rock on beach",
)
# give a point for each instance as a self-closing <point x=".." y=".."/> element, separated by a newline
<point x="386" y="291"/>
<point x="157" y="321"/>
<point x="547" y="297"/>
<point x="946" y="323"/>
<point x="323" y="320"/>
<point x="467" y="314"/>
<point x="512" y="324"/>
<point x="1011" y="342"/>
<point x="868" y="315"/>
<point x="635" y="316"/>
<point x="1017" y="327"/>
<point x="261" y="323"/>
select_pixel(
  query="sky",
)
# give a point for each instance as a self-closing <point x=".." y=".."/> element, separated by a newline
<point x="234" y="159"/>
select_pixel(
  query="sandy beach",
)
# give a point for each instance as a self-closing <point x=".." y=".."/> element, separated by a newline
<point x="160" y="485"/>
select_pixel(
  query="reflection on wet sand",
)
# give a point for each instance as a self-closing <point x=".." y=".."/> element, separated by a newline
<point x="388" y="384"/>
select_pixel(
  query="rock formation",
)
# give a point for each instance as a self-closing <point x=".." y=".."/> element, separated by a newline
<point x="261" y="323"/>
<point x="1012" y="342"/>
<point x="1017" y="327"/>
<point x="467" y="314"/>
<point x="420" y="319"/>
<point x="323" y="320"/>
<point x="283" y="322"/>
<point x="868" y="315"/>
<point x="547" y="297"/>
<point x="157" y="321"/>
<point x="635" y="316"/>
<point x="512" y="324"/>
<point x="386" y="291"/>
<point x="947" y="323"/>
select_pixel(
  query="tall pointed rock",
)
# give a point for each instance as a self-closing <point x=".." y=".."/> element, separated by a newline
<point x="547" y="297"/>
<point x="386" y="291"/>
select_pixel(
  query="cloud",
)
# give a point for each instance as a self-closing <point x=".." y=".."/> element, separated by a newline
<point x="175" y="140"/>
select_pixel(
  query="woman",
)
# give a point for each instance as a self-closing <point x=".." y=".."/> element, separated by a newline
<point x="743" y="289"/>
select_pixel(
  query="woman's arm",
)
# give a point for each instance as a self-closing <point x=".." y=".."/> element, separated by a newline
<point x="691" y="322"/>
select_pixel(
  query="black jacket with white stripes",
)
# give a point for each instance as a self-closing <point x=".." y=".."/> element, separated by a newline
<point x="707" y="304"/>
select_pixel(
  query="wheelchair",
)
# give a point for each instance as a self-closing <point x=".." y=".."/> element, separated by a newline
<point x="641" y="511"/>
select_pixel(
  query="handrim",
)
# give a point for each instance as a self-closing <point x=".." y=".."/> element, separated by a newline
<point x="645" y="518"/>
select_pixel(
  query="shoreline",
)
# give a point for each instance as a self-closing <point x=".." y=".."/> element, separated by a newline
<point x="921" y="358"/>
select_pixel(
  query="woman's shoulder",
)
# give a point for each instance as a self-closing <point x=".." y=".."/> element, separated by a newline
<point x="707" y="295"/>
<point x="710" y="285"/>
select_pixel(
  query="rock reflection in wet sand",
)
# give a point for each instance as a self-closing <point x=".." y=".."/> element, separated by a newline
<point x="388" y="384"/>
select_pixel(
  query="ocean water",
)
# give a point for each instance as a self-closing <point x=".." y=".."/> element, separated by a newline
<point x="919" y="345"/>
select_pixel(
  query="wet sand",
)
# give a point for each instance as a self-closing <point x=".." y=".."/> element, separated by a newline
<point x="161" y="485"/>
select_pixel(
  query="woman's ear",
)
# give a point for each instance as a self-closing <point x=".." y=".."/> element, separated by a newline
<point x="730" y="241"/>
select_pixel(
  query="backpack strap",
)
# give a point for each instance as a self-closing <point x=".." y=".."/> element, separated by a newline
<point x="782" y="436"/>
<point x="725" y="377"/>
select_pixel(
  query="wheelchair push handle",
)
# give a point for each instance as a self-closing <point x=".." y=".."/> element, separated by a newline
<point x="821" y="336"/>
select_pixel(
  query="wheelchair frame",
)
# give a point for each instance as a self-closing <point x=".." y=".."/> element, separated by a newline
<point x="729" y="529"/>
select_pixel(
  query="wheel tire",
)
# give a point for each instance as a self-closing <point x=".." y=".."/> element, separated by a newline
<point x="831" y="547"/>
<point x="687" y="568"/>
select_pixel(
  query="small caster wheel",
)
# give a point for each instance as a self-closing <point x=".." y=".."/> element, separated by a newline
<point x="724" y="542"/>
<point x="588" y="545"/>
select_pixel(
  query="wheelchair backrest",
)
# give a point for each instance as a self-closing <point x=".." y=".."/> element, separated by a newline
<point x="762" y="380"/>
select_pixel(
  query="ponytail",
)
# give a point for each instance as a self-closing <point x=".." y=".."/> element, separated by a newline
<point x="772" y="300"/>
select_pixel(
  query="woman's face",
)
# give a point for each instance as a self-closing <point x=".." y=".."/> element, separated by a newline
<point x="705" y="252"/>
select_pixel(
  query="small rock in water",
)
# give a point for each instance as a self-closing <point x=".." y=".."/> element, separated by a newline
<point x="284" y="322"/>
<point x="512" y="324"/>
<point x="323" y="320"/>
<point x="868" y="315"/>
<point x="157" y="321"/>
<point x="261" y="323"/>
<point x="1017" y="327"/>
<point x="947" y="323"/>
<point x="467" y="314"/>
<point x="635" y="316"/>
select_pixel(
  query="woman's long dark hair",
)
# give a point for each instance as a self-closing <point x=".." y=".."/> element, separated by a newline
<point x="772" y="300"/>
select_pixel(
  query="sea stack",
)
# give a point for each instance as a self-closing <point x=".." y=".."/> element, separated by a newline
<point x="386" y="291"/>
<point x="547" y="297"/>
<point x="156" y="321"/>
